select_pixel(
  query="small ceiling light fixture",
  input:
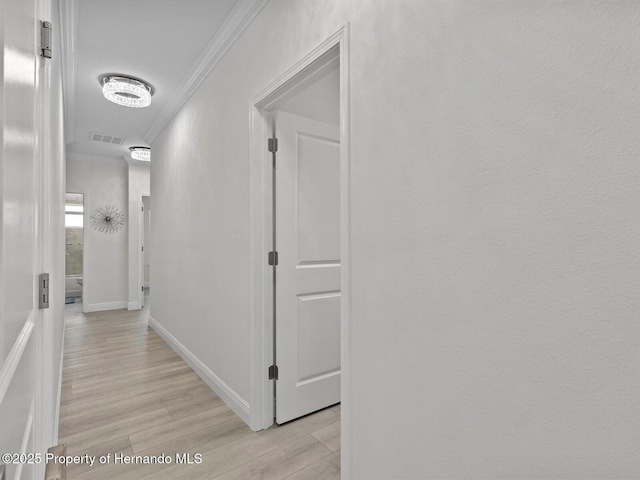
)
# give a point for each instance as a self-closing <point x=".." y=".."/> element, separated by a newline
<point x="126" y="91"/>
<point x="141" y="153"/>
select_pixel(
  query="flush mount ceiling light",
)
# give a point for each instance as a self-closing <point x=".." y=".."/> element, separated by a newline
<point x="126" y="91"/>
<point x="141" y="153"/>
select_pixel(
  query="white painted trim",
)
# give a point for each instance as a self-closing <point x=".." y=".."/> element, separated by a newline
<point x="133" y="306"/>
<point x="10" y="365"/>
<point x="260" y="287"/>
<point x="39" y="427"/>
<point x="26" y="435"/>
<point x="86" y="280"/>
<point x="139" y="256"/>
<point x="68" y="25"/>
<point x="346" y="438"/>
<point x="241" y="15"/>
<point x="100" y="307"/>
<point x="298" y="74"/>
<point x="261" y="329"/>
<point x="224" y="391"/>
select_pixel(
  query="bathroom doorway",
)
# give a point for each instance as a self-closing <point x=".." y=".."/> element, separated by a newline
<point x="74" y="250"/>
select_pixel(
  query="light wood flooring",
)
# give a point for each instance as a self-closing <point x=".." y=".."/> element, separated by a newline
<point x="126" y="391"/>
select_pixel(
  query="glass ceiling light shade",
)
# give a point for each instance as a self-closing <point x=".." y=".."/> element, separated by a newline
<point x="126" y="91"/>
<point x="141" y="153"/>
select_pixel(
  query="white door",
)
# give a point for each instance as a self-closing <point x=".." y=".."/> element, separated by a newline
<point x="308" y="272"/>
<point x="31" y="236"/>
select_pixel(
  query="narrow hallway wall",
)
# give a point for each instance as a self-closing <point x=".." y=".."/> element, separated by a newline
<point x="103" y="182"/>
<point x="494" y="196"/>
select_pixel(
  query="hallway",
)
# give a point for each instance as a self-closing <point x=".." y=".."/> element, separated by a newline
<point x="126" y="391"/>
<point x="483" y="278"/>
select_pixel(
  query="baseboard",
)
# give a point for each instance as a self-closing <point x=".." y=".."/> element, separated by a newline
<point x="224" y="391"/>
<point x="133" y="306"/>
<point x="99" y="307"/>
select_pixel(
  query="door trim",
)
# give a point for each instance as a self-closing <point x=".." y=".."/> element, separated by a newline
<point x="140" y="242"/>
<point x="10" y="365"/>
<point x="86" y="278"/>
<point x="261" y="293"/>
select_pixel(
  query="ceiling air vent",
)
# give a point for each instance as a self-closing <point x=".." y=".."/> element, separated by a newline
<point x="101" y="137"/>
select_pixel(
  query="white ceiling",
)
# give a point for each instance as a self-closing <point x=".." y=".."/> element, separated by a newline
<point x="163" y="42"/>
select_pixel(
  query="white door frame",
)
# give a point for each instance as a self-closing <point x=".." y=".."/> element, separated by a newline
<point x="40" y="417"/>
<point x="86" y="221"/>
<point x="140" y="244"/>
<point x="48" y="258"/>
<point x="261" y="292"/>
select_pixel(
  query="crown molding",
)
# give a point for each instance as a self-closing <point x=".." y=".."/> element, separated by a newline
<point x="68" y="19"/>
<point x="243" y="12"/>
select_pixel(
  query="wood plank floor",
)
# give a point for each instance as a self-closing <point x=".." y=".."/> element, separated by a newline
<point x="126" y="392"/>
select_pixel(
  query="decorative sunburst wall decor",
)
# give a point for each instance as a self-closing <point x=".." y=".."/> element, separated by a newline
<point x="107" y="219"/>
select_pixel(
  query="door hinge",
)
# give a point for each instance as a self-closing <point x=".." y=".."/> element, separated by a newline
<point x="142" y="288"/>
<point x="273" y="258"/>
<point x="273" y="372"/>
<point x="45" y="40"/>
<point x="44" y="290"/>
<point x="272" y="144"/>
<point x="143" y="248"/>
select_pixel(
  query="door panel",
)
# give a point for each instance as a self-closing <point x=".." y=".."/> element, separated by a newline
<point x="318" y="212"/>
<point x="318" y="327"/>
<point x="308" y="274"/>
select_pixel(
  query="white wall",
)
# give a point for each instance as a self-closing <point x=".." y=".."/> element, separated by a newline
<point x="495" y="186"/>
<point x="103" y="182"/>
<point x="32" y="232"/>
<point x="138" y="183"/>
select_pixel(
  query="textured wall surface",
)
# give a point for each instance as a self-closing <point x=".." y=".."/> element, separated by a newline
<point x="495" y="241"/>
<point x="494" y="198"/>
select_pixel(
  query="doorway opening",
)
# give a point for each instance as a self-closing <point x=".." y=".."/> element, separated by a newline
<point x="300" y="239"/>
<point x="306" y="227"/>
<point x="74" y="250"/>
